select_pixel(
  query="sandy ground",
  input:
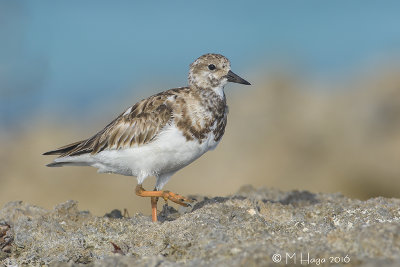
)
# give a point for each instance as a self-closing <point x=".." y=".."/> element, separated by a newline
<point x="261" y="227"/>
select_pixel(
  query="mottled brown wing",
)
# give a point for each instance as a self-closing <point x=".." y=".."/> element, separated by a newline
<point x="137" y="127"/>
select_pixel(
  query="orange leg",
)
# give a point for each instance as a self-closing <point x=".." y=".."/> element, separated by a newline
<point x="154" y="201"/>
<point x="166" y="195"/>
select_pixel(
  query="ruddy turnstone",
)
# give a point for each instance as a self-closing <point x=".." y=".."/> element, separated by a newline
<point x="161" y="134"/>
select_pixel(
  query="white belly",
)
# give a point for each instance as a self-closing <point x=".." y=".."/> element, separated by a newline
<point x="167" y="154"/>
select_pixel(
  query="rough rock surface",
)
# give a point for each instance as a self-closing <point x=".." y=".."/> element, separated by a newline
<point x="251" y="228"/>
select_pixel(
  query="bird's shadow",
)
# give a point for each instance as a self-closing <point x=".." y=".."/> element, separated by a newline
<point x="295" y="198"/>
<point x="169" y="213"/>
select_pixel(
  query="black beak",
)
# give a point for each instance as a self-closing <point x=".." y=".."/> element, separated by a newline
<point x="232" y="77"/>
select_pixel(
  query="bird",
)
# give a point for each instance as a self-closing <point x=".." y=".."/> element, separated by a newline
<point x="161" y="134"/>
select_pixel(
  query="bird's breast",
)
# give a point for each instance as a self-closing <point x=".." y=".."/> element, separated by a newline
<point x="202" y="118"/>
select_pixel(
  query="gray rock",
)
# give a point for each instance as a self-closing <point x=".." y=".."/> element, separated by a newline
<point x="251" y="228"/>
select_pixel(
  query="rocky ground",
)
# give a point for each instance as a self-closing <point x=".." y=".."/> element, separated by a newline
<point x="262" y="227"/>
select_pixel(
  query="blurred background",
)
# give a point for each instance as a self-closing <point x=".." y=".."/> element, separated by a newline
<point x="323" y="113"/>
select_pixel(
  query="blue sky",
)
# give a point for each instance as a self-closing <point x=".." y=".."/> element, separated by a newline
<point x="59" y="56"/>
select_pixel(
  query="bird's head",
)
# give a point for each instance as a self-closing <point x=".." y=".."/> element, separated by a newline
<point x="212" y="71"/>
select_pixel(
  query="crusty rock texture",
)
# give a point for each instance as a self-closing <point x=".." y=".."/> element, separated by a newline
<point x="262" y="227"/>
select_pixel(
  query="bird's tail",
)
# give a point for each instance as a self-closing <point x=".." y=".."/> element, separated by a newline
<point x="67" y="163"/>
<point x="64" y="159"/>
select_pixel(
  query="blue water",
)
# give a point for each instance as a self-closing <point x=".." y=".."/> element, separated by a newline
<point x="71" y="56"/>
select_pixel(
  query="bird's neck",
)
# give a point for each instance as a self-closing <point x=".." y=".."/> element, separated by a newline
<point x="210" y="92"/>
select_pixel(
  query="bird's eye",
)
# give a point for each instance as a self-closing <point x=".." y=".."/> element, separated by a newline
<point x="211" y="67"/>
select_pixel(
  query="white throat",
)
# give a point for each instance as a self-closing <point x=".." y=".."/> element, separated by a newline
<point x="219" y="90"/>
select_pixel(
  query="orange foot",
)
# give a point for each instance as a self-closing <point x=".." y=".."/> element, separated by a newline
<point x="166" y="195"/>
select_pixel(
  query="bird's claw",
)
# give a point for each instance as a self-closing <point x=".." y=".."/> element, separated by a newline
<point x="178" y="199"/>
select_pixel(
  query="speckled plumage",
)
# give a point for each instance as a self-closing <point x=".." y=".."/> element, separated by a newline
<point x="163" y="133"/>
